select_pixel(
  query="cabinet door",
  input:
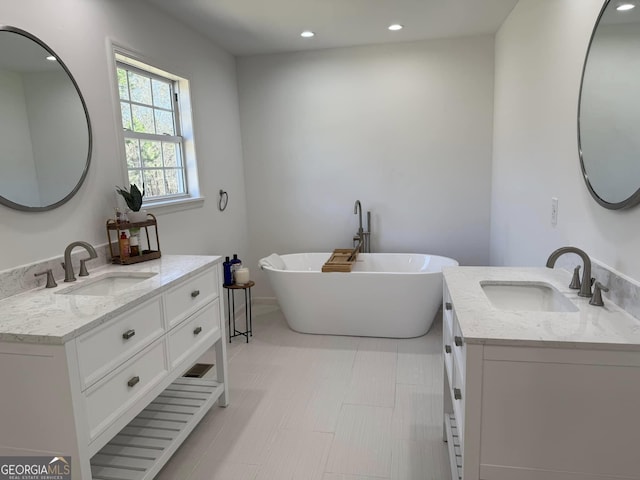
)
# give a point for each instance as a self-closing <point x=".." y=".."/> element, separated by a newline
<point x="560" y="417"/>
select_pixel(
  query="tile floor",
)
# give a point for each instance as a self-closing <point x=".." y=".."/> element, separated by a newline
<point x="314" y="407"/>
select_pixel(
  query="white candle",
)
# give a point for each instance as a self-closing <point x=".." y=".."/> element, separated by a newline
<point x="241" y="276"/>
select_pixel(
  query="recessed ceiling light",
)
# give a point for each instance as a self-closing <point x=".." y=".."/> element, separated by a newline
<point x="307" y="34"/>
<point x="623" y="7"/>
<point x="395" y="26"/>
<point x="51" y="58"/>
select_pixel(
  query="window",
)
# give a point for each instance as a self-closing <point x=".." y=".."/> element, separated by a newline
<point x="153" y="141"/>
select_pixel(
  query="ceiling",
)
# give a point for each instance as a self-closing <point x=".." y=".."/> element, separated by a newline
<point x="250" y="27"/>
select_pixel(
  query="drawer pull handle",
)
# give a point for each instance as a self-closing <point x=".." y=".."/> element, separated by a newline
<point x="458" y="341"/>
<point x="448" y="306"/>
<point x="133" y="381"/>
<point x="457" y="394"/>
<point x="195" y="293"/>
<point x="447" y="348"/>
<point x="197" y="330"/>
<point x="128" y="334"/>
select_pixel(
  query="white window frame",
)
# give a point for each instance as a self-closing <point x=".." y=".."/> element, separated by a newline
<point x="184" y="121"/>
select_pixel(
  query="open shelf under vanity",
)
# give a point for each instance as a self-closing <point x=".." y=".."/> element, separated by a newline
<point x="142" y="448"/>
<point x="455" y="449"/>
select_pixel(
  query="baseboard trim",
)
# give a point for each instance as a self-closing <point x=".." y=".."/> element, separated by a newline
<point x="265" y="301"/>
<point x="240" y="307"/>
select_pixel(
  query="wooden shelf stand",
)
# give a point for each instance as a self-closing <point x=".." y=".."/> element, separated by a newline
<point x="149" y="253"/>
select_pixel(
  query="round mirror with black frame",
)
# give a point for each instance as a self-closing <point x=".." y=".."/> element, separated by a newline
<point x="609" y="107"/>
<point x="45" y="132"/>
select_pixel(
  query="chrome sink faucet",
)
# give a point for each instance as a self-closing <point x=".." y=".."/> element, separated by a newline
<point x="585" y="284"/>
<point x="69" y="275"/>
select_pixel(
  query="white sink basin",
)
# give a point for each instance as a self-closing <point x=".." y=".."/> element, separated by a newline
<point x="527" y="296"/>
<point x="107" y="284"/>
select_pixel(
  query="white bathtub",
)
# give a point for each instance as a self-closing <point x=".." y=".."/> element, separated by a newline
<point x="386" y="295"/>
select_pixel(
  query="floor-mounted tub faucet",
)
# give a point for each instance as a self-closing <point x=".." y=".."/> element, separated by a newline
<point x="367" y="234"/>
<point x="362" y="237"/>
<point x="585" y="284"/>
<point x="357" y="210"/>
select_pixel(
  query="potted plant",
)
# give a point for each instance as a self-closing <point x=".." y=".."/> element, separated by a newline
<point x="133" y="198"/>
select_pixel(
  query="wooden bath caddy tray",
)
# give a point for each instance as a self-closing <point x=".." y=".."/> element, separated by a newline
<point x="341" y="260"/>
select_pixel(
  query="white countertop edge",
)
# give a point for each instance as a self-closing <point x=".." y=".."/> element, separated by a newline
<point x="102" y="317"/>
<point x="601" y="328"/>
<point x="503" y="342"/>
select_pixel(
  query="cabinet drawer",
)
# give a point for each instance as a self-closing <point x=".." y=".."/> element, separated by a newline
<point x="186" y="298"/>
<point x="458" y="396"/>
<point x="112" y="396"/>
<point x="459" y="347"/>
<point x="109" y="345"/>
<point x="447" y="354"/>
<point x="203" y="326"/>
<point x="447" y="312"/>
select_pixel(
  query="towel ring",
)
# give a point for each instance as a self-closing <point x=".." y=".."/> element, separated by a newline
<point x="223" y="200"/>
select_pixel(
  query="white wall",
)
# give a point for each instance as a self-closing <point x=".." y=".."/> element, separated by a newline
<point x="540" y="50"/>
<point x="405" y="128"/>
<point x="77" y="30"/>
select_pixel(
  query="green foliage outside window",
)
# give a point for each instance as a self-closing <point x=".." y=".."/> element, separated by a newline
<point x="152" y="146"/>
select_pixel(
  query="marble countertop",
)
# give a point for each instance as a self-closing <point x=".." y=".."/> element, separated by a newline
<point x="44" y="316"/>
<point x="607" y="327"/>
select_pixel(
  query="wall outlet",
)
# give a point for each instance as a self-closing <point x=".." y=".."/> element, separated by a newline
<point x="554" y="211"/>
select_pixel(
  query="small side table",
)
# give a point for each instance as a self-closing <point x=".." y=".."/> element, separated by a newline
<point x="231" y="302"/>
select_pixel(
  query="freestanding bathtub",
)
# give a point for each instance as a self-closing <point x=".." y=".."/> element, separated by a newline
<point x="393" y="295"/>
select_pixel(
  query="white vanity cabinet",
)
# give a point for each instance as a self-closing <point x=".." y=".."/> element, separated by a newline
<point x="461" y="396"/>
<point x="113" y="397"/>
<point x="525" y="410"/>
